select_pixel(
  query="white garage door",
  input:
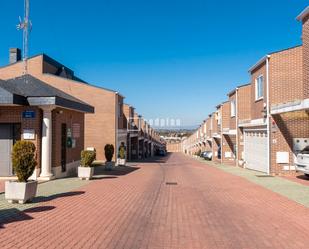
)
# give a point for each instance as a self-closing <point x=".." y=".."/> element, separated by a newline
<point x="255" y="150"/>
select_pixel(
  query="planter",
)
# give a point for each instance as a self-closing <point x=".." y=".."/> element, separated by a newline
<point x="109" y="165"/>
<point x="121" y="162"/>
<point x="20" y="192"/>
<point x="85" y="173"/>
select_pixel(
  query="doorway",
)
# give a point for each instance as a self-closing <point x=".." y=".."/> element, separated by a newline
<point x="63" y="147"/>
<point x="9" y="134"/>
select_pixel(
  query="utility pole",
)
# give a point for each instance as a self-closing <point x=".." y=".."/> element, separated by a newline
<point x="25" y="25"/>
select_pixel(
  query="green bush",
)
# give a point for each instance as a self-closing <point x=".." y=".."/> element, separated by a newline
<point x="109" y="152"/>
<point x="87" y="158"/>
<point x="122" y="152"/>
<point x="23" y="159"/>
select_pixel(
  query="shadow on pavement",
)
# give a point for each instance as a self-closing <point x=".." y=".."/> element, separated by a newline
<point x="56" y="196"/>
<point x="94" y="178"/>
<point x="303" y="177"/>
<point x="156" y="159"/>
<point x="12" y="215"/>
<point x="100" y="171"/>
<point x="39" y="209"/>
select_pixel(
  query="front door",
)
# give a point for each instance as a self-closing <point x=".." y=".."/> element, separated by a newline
<point x="63" y="147"/>
<point x="6" y="143"/>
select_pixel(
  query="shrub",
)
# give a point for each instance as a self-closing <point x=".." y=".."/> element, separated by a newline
<point x="109" y="152"/>
<point x="23" y="159"/>
<point x="122" y="152"/>
<point x="87" y="158"/>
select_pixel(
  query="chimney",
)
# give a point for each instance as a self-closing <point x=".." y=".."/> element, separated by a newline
<point x="15" y="55"/>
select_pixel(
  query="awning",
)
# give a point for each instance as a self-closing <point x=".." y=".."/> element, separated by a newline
<point x="29" y="91"/>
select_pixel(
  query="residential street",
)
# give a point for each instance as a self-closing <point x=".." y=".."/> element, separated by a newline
<point x="208" y="208"/>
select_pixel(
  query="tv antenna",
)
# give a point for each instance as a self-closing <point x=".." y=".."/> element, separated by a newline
<point x="25" y="25"/>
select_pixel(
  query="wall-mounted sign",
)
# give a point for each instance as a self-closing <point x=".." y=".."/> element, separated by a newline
<point x="69" y="142"/>
<point x="69" y="132"/>
<point x="76" y="130"/>
<point x="28" y="134"/>
<point x="73" y="143"/>
<point x="29" y="114"/>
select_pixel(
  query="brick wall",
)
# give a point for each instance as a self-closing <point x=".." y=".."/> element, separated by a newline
<point x="101" y="126"/>
<point x="69" y="118"/>
<point x="174" y="147"/>
<point x="286" y="76"/>
<point x="226" y="115"/>
<point x="244" y="113"/>
<point x="228" y="147"/>
<point x="286" y="85"/>
<point x="9" y="115"/>
<point x="257" y="106"/>
<point x="35" y="67"/>
<point x="305" y="38"/>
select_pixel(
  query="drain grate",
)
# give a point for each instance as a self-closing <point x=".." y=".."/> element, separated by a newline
<point x="171" y="183"/>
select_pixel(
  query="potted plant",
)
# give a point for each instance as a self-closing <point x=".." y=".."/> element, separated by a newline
<point x="109" y="153"/>
<point x="24" y="163"/>
<point x="85" y="171"/>
<point x="121" y="160"/>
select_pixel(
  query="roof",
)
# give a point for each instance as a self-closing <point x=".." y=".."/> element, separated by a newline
<point x="259" y="63"/>
<point x="234" y="90"/>
<point x="303" y="14"/>
<point x="56" y="63"/>
<point x="28" y="90"/>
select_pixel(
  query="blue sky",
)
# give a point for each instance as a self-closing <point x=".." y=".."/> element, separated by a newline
<point x="171" y="59"/>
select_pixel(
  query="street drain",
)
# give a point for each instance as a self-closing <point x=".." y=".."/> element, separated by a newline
<point x="264" y="176"/>
<point x="171" y="183"/>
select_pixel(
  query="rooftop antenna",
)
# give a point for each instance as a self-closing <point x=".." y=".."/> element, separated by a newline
<point x="26" y="26"/>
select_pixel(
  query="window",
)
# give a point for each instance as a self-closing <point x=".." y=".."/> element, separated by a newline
<point x="233" y="108"/>
<point x="259" y="87"/>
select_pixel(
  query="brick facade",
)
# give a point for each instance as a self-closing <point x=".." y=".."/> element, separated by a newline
<point x="286" y="85"/>
<point x="13" y="115"/>
<point x="243" y="115"/>
<point x="75" y="122"/>
<point x="305" y="38"/>
<point x="101" y="125"/>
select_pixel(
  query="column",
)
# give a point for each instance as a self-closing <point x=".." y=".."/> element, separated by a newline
<point x="46" y="158"/>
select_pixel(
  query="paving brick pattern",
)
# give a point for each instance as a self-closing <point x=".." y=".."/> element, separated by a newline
<point x="208" y="208"/>
<point x="292" y="187"/>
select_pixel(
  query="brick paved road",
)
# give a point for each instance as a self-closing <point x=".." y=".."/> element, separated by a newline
<point x="209" y="208"/>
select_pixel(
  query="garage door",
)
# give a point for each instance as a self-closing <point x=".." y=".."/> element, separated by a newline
<point x="255" y="150"/>
<point x="6" y="142"/>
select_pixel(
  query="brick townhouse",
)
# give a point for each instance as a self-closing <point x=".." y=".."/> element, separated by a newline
<point x="208" y="124"/>
<point x="128" y="120"/>
<point x="216" y="134"/>
<point x="289" y="98"/>
<point x="104" y="126"/>
<point x="243" y="114"/>
<point x="229" y="131"/>
<point x="32" y="110"/>
<point x="274" y="78"/>
<point x="203" y="132"/>
<point x="264" y="124"/>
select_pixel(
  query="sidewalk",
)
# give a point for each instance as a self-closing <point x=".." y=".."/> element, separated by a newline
<point x="294" y="190"/>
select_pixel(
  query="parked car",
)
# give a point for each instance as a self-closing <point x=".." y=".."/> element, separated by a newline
<point x="207" y="155"/>
<point x="302" y="162"/>
<point x="161" y="153"/>
<point x="203" y="154"/>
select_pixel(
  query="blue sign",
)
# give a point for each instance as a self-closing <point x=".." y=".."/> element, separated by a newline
<point x="29" y="114"/>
